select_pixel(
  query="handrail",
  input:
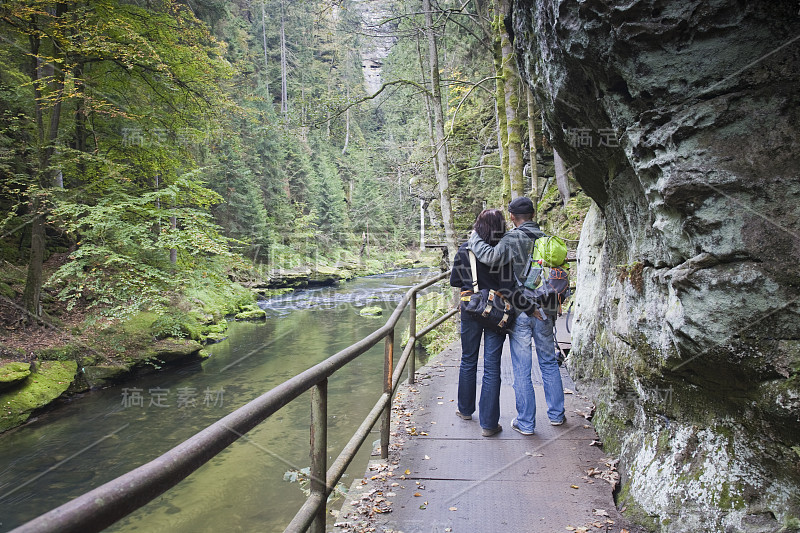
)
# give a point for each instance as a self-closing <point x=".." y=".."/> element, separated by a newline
<point x="112" y="501"/>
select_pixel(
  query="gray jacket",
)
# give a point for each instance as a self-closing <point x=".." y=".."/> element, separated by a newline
<point x="515" y="247"/>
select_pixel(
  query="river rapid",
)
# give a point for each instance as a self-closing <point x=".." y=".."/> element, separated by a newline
<point x="94" y="438"/>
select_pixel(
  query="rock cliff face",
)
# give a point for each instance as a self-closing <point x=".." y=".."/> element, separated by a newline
<point x="680" y="119"/>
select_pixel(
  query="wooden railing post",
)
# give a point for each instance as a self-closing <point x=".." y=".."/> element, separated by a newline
<point x="319" y="450"/>
<point x="412" y="334"/>
<point x="388" y="370"/>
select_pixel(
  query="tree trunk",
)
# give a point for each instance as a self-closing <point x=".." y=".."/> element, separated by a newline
<point x="346" y="124"/>
<point x="441" y="165"/>
<point x="173" y="252"/>
<point x="284" y="66"/>
<point x="500" y="118"/>
<point x="561" y="177"/>
<point x="264" y="37"/>
<point x="31" y="296"/>
<point x="421" y="225"/>
<point x="532" y="144"/>
<point x="511" y="85"/>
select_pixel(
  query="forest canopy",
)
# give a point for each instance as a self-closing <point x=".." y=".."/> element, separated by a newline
<point x="141" y="143"/>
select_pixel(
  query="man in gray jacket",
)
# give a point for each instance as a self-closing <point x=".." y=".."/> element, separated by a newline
<point x="515" y="247"/>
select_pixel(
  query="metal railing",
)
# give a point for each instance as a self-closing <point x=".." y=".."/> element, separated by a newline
<point x="101" y="507"/>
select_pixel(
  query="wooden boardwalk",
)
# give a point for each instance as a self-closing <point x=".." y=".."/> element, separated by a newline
<point x="443" y="476"/>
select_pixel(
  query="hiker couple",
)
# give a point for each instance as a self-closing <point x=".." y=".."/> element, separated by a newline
<point x="503" y="258"/>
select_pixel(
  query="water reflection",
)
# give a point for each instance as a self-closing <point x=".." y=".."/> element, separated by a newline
<point x="91" y="440"/>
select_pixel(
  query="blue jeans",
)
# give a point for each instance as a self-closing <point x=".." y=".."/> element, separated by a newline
<point x="541" y="331"/>
<point x="489" y="405"/>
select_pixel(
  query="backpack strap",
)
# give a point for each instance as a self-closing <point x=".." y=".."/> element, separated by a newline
<point x="529" y="232"/>
<point x="473" y="265"/>
<point x="532" y="236"/>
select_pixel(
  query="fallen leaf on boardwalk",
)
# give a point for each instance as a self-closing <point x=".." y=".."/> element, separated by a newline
<point x="395" y="484"/>
<point x="440" y="403"/>
<point x="569" y="528"/>
<point x="440" y="397"/>
<point x="391" y="494"/>
<point x="534" y="454"/>
<point x="426" y="458"/>
<point x="424" y="505"/>
<point x="601" y="512"/>
<point x="598" y="525"/>
<point x="569" y="391"/>
<point x="408" y="471"/>
<point x="593" y="472"/>
<point x="425" y="433"/>
<point x="454" y="508"/>
<point x="596" y="443"/>
<point x="575" y="486"/>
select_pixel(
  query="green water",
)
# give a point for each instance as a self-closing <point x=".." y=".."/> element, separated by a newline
<point x="90" y="440"/>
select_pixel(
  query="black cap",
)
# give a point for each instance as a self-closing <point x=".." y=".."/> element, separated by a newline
<point x="520" y="206"/>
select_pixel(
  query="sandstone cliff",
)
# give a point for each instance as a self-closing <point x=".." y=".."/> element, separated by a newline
<point x="680" y="118"/>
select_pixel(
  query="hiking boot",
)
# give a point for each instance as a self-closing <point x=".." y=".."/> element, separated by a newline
<point x="557" y="422"/>
<point x="516" y="428"/>
<point x="461" y="415"/>
<point x="489" y="432"/>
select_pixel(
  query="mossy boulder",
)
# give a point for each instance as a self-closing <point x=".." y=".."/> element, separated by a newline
<point x="251" y="312"/>
<point x="325" y="275"/>
<point x="69" y="352"/>
<point x="102" y="375"/>
<point x="373" y="311"/>
<point x="13" y="374"/>
<point x="295" y="277"/>
<point x="215" y="337"/>
<point x="171" y="350"/>
<point x="47" y="382"/>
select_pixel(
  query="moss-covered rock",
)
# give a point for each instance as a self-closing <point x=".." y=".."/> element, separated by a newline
<point x="295" y="277"/>
<point x="251" y="312"/>
<point x="102" y="375"/>
<point x="372" y="311"/>
<point x="13" y="374"/>
<point x="70" y="352"/>
<point x="49" y="380"/>
<point x="170" y="350"/>
<point x="325" y="275"/>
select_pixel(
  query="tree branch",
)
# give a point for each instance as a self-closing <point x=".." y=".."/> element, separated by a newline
<point x="379" y="91"/>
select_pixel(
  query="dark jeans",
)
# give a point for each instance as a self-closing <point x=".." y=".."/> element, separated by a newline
<point x="489" y="405"/>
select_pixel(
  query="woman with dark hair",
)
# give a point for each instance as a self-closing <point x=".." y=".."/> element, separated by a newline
<point x="491" y="226"/>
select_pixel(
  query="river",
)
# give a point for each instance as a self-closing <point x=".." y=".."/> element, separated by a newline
<point x="94" y="438"/>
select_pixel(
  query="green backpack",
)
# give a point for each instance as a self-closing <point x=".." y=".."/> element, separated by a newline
<point x="552" y="251"/>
